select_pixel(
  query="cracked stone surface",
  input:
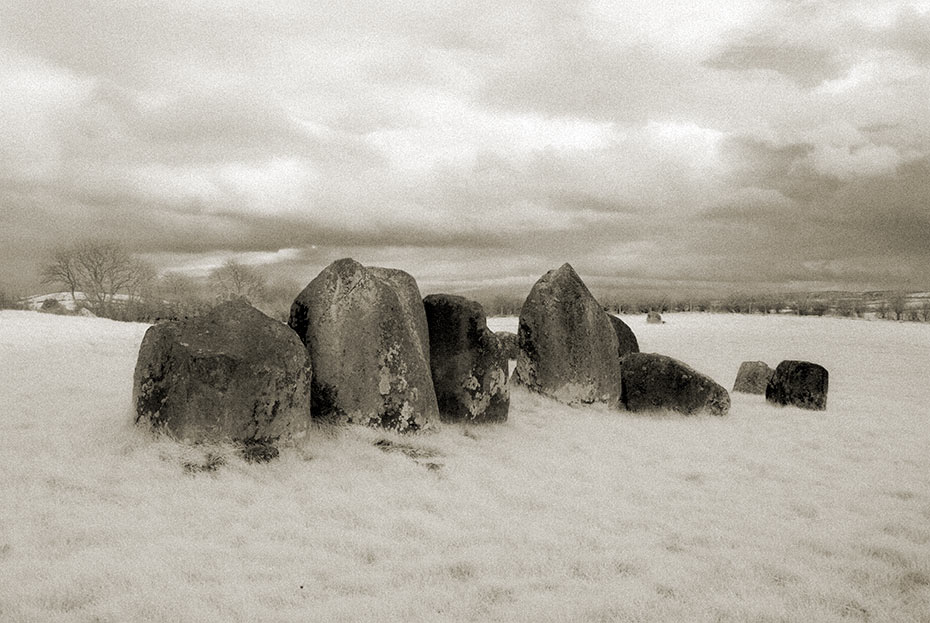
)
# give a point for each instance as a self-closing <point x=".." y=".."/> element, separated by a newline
<point x="366" y="333"/>
<point x="799" y="384"/>
<point x="568" y="346"/>
<point x="233" y="374"/>
<point x="653" y="382"/>
<point x="753" y="377"/>
<point x="468" y="362"/>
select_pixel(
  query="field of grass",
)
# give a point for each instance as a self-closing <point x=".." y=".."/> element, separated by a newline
<point x="560" y="514"/>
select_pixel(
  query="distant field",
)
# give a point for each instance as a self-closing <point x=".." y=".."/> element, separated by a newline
<point x="561" y="514"/>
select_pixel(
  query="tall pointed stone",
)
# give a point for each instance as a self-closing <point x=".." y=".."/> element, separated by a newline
<point x="365" y="330"/>
<point x="568" y="346"/>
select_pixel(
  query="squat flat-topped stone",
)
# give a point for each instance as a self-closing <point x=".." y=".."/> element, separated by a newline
<point x="233" y="374"/>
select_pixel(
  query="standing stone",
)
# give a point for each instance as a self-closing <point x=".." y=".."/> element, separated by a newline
<point x="468" y="363"/>
<point x="653" y="317"/>
<point x="509" y="343"/>
<point x="233" y="374"/>
<point x="626" y="339"/>
<point x="799" y="384"/>
<point x="365" y="330"/>
<point x="408" y="294"/>
<point x="568" y="347"/>
<point x="655" y="382"/>
<point x="753" y="377"/>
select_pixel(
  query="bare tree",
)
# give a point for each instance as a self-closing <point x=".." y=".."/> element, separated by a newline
<point x="105" y="270"/>
<point x="234" y="279"/>
<point x="101" y="270"/>
<point x="7" y="299"/>
<point x="177" y="288"/>
<point x="183" y="295"/>
<point x="63" y="269"/>
<point x="842" y="306"/>
<point x="881" y="308"/>
<point x="925" y="310"/>
<point x="141" y="282"/>
<point x="897" y="303"/>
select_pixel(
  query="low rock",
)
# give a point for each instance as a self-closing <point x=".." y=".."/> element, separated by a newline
<point x="626" y="339"/>
<point x="656" y="382"/>
<point x="568" y="347"/>
<point x="753" y="377"/>
<point x="800" y="384"/>
<point x="468" y="364"/>
<point x="258" y="451"/>
<point x="365" y="329"/>
<point x="232" y="375"/>
<point x="50" y="305"/>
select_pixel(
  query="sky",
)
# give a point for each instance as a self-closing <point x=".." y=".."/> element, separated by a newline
<point x="670" y="146"/>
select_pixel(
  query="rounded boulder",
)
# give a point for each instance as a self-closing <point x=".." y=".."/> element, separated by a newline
<point x="653" y="382"/>
<point x="233" y="375"/>
<point x="626" y="339"/>
<point x="365" y="330"/>
<point x="568" y="347"/>
<point x="468" y="363"/>
<point x="799" y="384"/>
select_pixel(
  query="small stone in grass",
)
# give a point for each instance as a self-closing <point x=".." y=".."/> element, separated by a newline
<point x="258" y="452"/>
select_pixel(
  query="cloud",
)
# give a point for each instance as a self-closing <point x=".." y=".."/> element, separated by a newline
<point x="909" y="33"/>
<point x="807" y="66"/>
<point x="643" y="142"/>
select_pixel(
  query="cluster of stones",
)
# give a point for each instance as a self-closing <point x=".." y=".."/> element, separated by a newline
<point x="362" y="346"/>
<point x="574" y="351"/>
<point x="793" y="383"/>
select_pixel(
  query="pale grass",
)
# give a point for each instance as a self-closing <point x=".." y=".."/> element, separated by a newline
<point x="560" y="514"/>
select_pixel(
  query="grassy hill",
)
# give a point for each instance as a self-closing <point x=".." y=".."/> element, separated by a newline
<point x="560" y="514"/>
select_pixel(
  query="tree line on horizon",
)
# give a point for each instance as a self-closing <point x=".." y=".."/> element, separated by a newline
<point x="111" y="282"/>
<point x="115" y="283"/>
<point x="890" y="305"/>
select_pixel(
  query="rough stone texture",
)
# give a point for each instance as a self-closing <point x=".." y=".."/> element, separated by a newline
<point x="408" y="293"/>
<point x="656" y="382"/>
<point x="753" y="377"/>
<point x="568" y="347"/>
<point x="468" y="363"/>
<point x="625" y="337"/>
<point x="799" y="384"/>
<point x="509" y="343"/>
<point x="365" y="330"/>
<point x="653" y="317"/>
<point x="233" y="374"/>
